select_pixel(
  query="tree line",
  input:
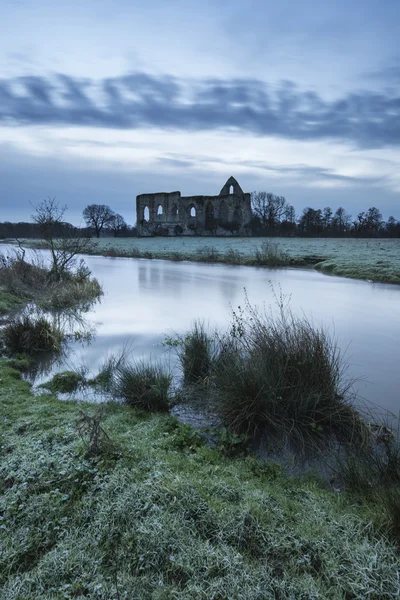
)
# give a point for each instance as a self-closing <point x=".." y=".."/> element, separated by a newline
<point x="100" y="219"/>
<point x="274" y="216"/>
<point x="271" y="216"/>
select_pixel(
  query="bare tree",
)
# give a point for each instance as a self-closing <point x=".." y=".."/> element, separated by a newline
<point x="117" y="223"/>
<point x="270" y="209"/>
<point x="59" y="237"/>
<point x="98" y="216"/>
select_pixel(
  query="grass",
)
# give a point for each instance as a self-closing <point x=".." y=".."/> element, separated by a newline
<point x="22" y="281"/>
<point x="196" y="354"/>
<point x="372" y="476"/>
<point x="144" y="386"/>
<point x="279" y="375"/>
<point x="8" y="301"/>
<point x="371" y="259"/>
<point x="65" y="382"/>
<point x="139" y="384"/>
<point x="160" y="520"/>
<point x="30" y="333"/>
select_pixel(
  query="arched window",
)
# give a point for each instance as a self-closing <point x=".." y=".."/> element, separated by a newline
<point x="192" y="211"/>
<point x="231" y="189"/>
<point x="159" y="210"/>
<point x="146" y="213"/>
<point x="174" y="211"/>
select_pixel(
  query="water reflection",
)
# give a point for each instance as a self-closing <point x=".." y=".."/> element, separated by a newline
<point x="145" y="300"/>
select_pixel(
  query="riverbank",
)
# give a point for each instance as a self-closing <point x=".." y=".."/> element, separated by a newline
<point x="376" y="260"/>
<point x="154" y="513"/>
<point x="32" y="281"/>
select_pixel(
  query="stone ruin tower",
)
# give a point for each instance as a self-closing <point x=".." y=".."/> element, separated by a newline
<point x="170" y="214"/>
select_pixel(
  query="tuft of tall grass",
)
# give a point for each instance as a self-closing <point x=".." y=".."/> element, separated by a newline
<point x="30" y="334"/>
<point x="105" y="379"/>
<point x="269" y="254"/>
<point x="144" y="386"/>
<point x="196" y="354"/>
<point x="275" y="373"/>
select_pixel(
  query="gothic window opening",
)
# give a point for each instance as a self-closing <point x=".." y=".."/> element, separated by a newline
<point x="159" y="210"/>
<point x="146" y="213"/>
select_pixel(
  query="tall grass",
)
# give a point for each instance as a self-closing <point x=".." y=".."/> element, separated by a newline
<point x="35" y="281"/>
<point x="196" y="354"/>
<point x="21" y="278"/>
<point x="29" y="333"/>
<point x="144" y="386"/>
<point x="269" y="254"/>
<point x="279" y="374"/>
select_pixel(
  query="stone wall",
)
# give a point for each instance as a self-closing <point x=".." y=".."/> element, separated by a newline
<point x="163" y="213"/>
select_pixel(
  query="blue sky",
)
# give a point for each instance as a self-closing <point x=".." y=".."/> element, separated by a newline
<point x="101" y="100"/>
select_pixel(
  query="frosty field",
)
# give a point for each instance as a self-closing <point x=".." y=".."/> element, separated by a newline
<point x="372" y="259"/>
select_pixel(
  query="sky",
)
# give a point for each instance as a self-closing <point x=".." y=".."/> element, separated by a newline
<point x="101" y="100"/>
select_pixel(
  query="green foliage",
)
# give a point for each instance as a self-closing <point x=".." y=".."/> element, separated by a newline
<point x="231" y="444"/>
<point x="267" y="470"/>
<point x="8" y="301"/>
<point x="21" y="362"/>
<point x="185" y="437"/>
<point x="65" y="382"/>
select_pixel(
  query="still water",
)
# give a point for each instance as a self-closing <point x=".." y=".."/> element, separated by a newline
<point x="146" y="300"/>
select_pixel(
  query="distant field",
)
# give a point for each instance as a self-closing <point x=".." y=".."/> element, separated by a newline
<point x="373" y="259"/>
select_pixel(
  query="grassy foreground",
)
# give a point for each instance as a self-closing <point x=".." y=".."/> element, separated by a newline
<point x="159" y="515"/>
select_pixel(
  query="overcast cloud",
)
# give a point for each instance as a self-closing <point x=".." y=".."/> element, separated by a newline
<point x="101" y="100"/>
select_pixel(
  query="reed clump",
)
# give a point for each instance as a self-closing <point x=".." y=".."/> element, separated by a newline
<point x="31" y="333"/>
<point x="275" y="373"/>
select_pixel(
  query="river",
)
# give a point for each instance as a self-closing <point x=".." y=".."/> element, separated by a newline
<point x="146" y="300"/>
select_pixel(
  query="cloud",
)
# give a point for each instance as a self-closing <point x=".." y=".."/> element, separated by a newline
<point x="138" y="100"/>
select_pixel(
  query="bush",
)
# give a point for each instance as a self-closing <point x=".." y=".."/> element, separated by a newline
<point x="30" y="334"/>
<point x="144" y="386"/>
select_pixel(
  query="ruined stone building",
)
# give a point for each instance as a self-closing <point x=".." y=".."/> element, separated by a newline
<point x="169" y="213"/>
